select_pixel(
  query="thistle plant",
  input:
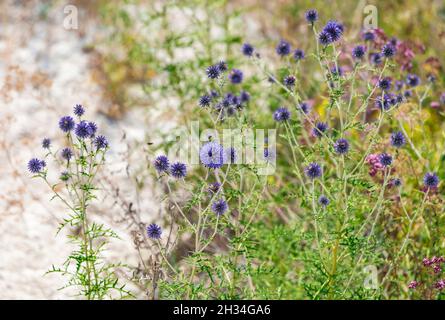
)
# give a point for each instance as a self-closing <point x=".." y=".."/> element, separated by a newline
<point x="79" y="162"/>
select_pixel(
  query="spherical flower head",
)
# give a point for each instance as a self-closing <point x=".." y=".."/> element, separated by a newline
<point x="46" y="143"/>
<point x="334" y="29"/>
<point x="83" y="130"/>
<point x="204" y="101"/>
<point x="385" y="159"/>
<point x="67" y="153"/>
<point x="385" y="84"/>
<point x="313" y="170"/>
<point x="359" y="52"/>
<point x="368" y="36"/>
<point x="388" y="50"/>
<point x="298" y="54"/>
<point x="100" y="142"/>
<point x="212" y="155"/>
<point x="36" y="165"/>
<point x="341" y="146"/>
<point x="311" y="16"/>
<point x="283" y="48"/>
<point x="398" y="85"/>
<point x="219" y="207"/>
<point x="323" y="200"/>
<point x="412" y="80"/>
<point x="413" y="284"/>
<point x="337" y="71"/>
<point x="178" y="170"/>
<point x="397" y="139"/>
<point x="407" y="93"/>
<point x="396" y="182"/>
<point x="79" y="110"/>
<point x="247" y="49"/>
<point x="376" y="58"/>
<point x="244" y="96"/>
<point x="281" y="114"/>
<point x="161" y="163"/>
<point x="304" y="107"/>
<point x="213" y="72"/>
<point x="319" y="129"/>
<point x="66" y="124"/>
<point x="154" y="231"/>
<point x="214" y="188"/>
<point x="222" y="66"/>
<point x="289" y="81"/>
<point x="236" y="76"/>
<point x="324" y="38"/>
<point x="431" y="180"/>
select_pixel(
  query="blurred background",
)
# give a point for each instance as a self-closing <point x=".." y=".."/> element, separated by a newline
<point x="137" y="67"/>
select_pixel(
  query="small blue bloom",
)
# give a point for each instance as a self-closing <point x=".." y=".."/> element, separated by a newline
<point x="281" y="114"/>
<point x="219" y="207"/>
<point x="35" y="165"/>
<point x="83" y="130"/>
<point x="178" y="170"/>
<point x="298" y="54"/>
<point x="324" y="38"/>
<point x="205" y="100"/>
<point x="283" y="48"/>
<point x="311" y="15"/>
<point x="247" y="49"/>
<point x="412" y="80"/>
<point x="161" y="163"/>
<point x="385" y="159"/>
<point x="398" y="139"/>
<point x="67" y="153"/>
<point x="431" y="180"/>
<point x="212" y="155"/>
<point x="79" y="110"/>
<point x="66" y="124"/>
<point x="46" y="143"/>
<point x="101" y="142"/>
<point x="359" y="52"/>
<point x="319" y="129"/>
<point x="213" y="72"/>
<point x="323" y="200"/>
<point x="341" y="146"/>
<point x="154" y="231"/>
<point x="289" y="81"/>
<point x="313" y="170"/>
<point x="388" y="50"/>
<point x="236" y="76"/>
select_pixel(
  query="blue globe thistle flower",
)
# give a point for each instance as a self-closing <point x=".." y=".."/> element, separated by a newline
<point x="214" y="188"/>
<point x="281" y="114"/>
<point x="231" y="155"/>
<point x="92" y="128"/>
<point x="289" y="81"/>
<point x="399" y="98"/>
<point x="79" y="110"/>
<point x="35" y="165"/>
<point x="235" y="101"/>
<point x="407" y="93"/>
<point x="161" y="163"/>
<point x="83" y="130"/>
<point x="236" y="76"/>
<point x="219" y="207"/>
<point x="397" y="139"/>
<point x="337" y="71"/>
<point x="385" y="84"/>
<point x="66" y="124"/>
<point x="67" y="153"/>
<point x="283" y="48"/>
<point x="376" y="58"/>
<point x="368" y="36"/>
<point x="222" y="66"/>
<point x="247" y="49"/>
<point x="359" y="52"/>
<point x="213" y="72"/>
<point x="341" y="146"/>
<point x="313" y="170"/>
<point x="154" y="231"/>
<point x="396" y="182"/>
<point x="387" y="102"/>
<point x="431" y="180"/>
<point x="324" y="38"/>
<point x="398" y="85"/>
<point x="304" y="107"/>
<point x="323" y="200"/>
<point x="244" y="96"/>
<point x="46" y="143"/>
<point x="100" y="142"/>
<point x="178" y="170"/>
<point x="412" y="80"/>
<point x="214" y="94"/>
<point x="64" y="176"/>
<point x="393" y="41"/>
<point x="319" y="129"/>
<point x="298" y="54"/>
<point x="212" y="155"/>
<point x="268" y="155"/>
<point x="205" y="100"/>
<point x="431" y="78"/>
<point x="334" y="29"/>
<point x="388" y="50"/>
<point x="311" y="15"/>
<point x="385" y="159"/>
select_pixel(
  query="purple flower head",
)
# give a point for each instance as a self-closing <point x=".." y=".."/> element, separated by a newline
<point x="311" y="16"/>
<point x="268" y="155"/>
<point x="289" y="81"/>
<point x="324" y="38"/>
<point x="319" y="129"/>
<point x="46" y="143"/>
<point x="212" y="155"/>
<point x="412" y="80"/>
<point x="178" y="170"/>
<point x="413" y="284"/>
<point x="79" y="110"/>
<point x="385" y="159"/>
<point x="281" y="114"/>
<point x="397" y="139"/>
<point x="244" y="96"/>
<point x="222" y="66"/>
<point x="100" y="142"/>
<point x="219" y="207"/>
<point x="92" y="129"/>
<point x="376" y="58"/>
<point x="398" y="85"/>
<point x="283" y="48"/>
<point x="337" y="71"/>
<point x="298" y="54"/>
<point x="161" y="163"/>
<point x="236" y="76"/>
<point x="385" y="84"/>
<point x="323" y="200"/>
<point x="304" y="107"/>
<point x="214" y="188"/>
<point x="368" y="35"/>
<point x="388" y="50"/>
<point x="154" y="231"/>
<point x="36" y="165"/>
<point x="431" y="180"/>
<point x="205" y="100"/>
<point x="66" y="153"/>
<point x="213" y="72"/>
<point x="396" y="182"/>
<point x="231" y="155"/>
<point x="82" y="130"/>
<point x="313" y="170"/>
<point x="334" y="29"/>
<point x="341" y="146"/>
<point x="440" y="285"/>
<point x="247" y="49"/>
<point x="359" y="52"/>
<point x="66" y="124"/>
